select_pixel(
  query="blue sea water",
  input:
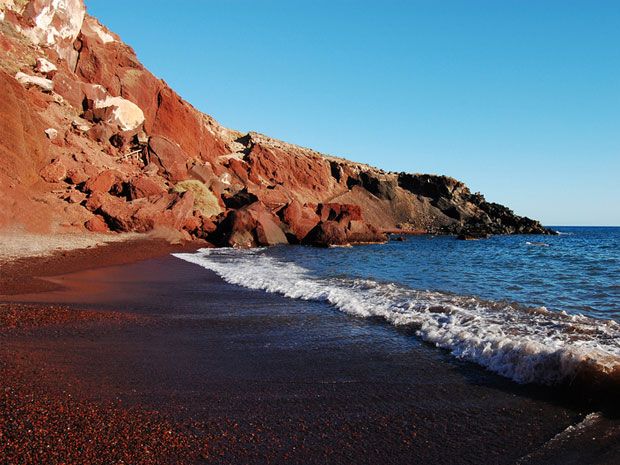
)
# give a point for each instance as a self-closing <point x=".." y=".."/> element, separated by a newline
<point x="542" y="309"/>
<point x="577" y="271"/>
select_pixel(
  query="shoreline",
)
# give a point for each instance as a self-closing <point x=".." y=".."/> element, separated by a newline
<point x="28" y="273"/>
<point x="156" y="354"/>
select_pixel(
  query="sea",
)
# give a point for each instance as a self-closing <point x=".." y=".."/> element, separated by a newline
<point x="535" y="309"/>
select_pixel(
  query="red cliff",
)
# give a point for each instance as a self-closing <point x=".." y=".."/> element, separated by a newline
<point x="91" y="140"/>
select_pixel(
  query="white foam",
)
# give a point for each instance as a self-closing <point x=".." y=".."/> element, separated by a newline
<point x="524" y="344"/>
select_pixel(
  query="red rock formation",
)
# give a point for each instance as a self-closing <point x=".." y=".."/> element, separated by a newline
<point x="250" y="226"/>
<point x="104" y="182"/>
<point x="23" y="144"/>
<point x="301" y="219"/>
<point x="168" y="156"/>
<point x="91" y="123"/>
<point x="144" y="186"/>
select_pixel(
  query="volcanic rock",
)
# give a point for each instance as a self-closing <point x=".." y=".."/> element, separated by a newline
<point x="46" y="67"/>
<point x="23" y="144"/>
<point x="250" y="226"/>
<point x="144" y="186"/>
<point x="97" y="224"/>
<point x="360" y="232"/>
<point x="55" y="24"/>
<point x="169" y="156"/>
<point x="119" y="112"/>
<point x="54" y="172"/>
<point x="327" y="233"/>
<point x="104" y="182"/>
<point x="26" y="80"/>
<point x="107" y="105"/>
<point x="339" y="212"/>
<point x="300" y="219"/>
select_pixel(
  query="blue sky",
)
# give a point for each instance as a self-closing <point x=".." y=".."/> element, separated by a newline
<point x="519" y="99"/>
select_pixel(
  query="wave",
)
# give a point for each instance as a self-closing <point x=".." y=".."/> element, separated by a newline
<point x="528" y="345"/>
<point x="539" y="244"/>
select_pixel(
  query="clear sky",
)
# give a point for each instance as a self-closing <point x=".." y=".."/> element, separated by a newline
<point x="520" y="99"/>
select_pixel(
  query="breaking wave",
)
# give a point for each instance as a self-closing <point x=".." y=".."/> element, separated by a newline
<point x="528" y="345"/>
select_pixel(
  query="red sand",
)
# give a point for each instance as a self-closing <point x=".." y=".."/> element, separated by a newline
<point x="22" y="276"/>
<point x="43" y="425"/>
<point x="39" y="425"/>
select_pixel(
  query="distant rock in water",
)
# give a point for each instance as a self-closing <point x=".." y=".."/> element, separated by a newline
<point x="125" y="146"/>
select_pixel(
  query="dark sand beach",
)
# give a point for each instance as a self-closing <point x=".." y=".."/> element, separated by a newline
<point x="160" y="361"/>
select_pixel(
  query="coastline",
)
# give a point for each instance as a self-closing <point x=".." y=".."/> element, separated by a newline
<point x="149" y="344"/>
<point x="27" y="272"/>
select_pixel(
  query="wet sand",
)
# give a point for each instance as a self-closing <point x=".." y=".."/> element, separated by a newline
<point x="200" y="371"/>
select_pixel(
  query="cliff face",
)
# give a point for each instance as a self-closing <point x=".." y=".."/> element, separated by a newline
<point x="91" y="139"/>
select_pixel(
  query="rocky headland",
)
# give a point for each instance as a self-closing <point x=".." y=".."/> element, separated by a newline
<point x="90" y="140"/>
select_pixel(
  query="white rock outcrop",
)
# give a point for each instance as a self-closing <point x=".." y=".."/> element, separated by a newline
<point x="93" y="27"/>
<point x="28" y="81"/>
<point x="121" y="112"/>
<point x="51" y="133"/>
<point x="56" y="24"/>
<point x="44" y="66"/>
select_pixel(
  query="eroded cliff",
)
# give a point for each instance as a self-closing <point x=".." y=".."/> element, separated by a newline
<point x="90" y="139"/>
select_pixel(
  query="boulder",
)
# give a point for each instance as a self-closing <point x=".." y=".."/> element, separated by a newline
<point x="91" y="94"/>
<point x="179" y="210"/>
<point x="97" y="224"/>
<point x="26" y="80"/>
<point x="144" y="186"/>
<point x="117" y="213"/>
<point x="239" y="168"/>
<point x="300" y="219"/>
<point x="360" y="232"/>
<point x="250" y="226"/>
<point x="119" y="112"/>
<point x="327" y="233"/>
<point x="105" y="181"/>
<point x="342" y="224"/>
<point x="46" y="67"/>
<point x="142" y="215"/>
<point x="55" y="24"/>
<point x="76" y="176"/>
<point x="54" y="172"/>
<point x="203" y="172"/>
<point x="75" y="196"/>
<point x="51" y="133"/>
<point x="193" y="224"/>
<point x="169" y="156"/>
